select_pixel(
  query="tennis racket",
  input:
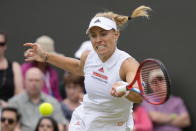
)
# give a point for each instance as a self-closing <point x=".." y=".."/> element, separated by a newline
<point x="153" y="82"/>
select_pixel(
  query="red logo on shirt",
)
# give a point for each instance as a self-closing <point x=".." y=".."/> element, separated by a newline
<point x="100" y="75"/>
<point x="101" y="69"/>
<point x="77" y="123"/>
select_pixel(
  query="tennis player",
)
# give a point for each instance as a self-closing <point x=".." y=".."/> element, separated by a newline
<point x="105" y="68"/>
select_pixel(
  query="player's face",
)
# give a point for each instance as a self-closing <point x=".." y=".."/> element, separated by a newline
<point x="8" y="121"/>
<point x="157" y="84"/>
<point x="46" y="125"/>
<point x="103" y="41"/>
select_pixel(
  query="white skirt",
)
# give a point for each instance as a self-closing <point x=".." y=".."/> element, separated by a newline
<point x="87" y="120"/>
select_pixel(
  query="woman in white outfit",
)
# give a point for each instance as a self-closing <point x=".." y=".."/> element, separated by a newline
<point x="105" y="68"/>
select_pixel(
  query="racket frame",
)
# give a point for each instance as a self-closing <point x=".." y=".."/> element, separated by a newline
<point x="137" y="79"/>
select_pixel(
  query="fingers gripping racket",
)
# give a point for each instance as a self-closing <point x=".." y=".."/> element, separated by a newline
<point x="153" y="82"/>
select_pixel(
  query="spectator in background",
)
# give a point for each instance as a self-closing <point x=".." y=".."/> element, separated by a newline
<point x="9" y="119"/>
<point x="51" y="81"/>
<point x="170" y="116"/>
<point x="28" y="102"/>
<point x="46" y="124"/>
<point x="10" y="74"/>
<point x="85" y="46"/>
<point x="142" y="121"/>
<point x="74" y="88"/>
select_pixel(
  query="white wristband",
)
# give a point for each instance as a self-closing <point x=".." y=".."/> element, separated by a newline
<point x="121" y="89"/>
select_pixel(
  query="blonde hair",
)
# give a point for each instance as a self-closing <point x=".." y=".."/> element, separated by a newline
<point x="121" y="19"/>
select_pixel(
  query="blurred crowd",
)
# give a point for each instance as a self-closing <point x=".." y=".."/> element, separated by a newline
<point x="23" y="87"/>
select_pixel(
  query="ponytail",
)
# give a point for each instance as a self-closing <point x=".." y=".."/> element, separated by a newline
<point x="121" y="19"/>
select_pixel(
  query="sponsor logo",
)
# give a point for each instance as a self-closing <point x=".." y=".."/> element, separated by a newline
<point x="97" y="21"/>
<point x="101" y="70"/>
<point x="120" y="123"/>
<point x="104" y="81"/>
<point x="77" y="123"/>
<point x="100" y="75"/>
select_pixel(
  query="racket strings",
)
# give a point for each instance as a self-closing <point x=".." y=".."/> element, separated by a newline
<point x="155" y="82"/>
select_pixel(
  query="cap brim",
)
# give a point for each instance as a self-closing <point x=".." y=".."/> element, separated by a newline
<point x="99" y="25"/>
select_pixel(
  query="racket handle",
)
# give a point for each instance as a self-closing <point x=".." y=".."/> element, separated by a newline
<point x="136" y="90"/>
<point x="122" y="88"/>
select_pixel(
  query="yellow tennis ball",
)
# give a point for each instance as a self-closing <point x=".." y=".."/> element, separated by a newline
<point x="46" y="109"/>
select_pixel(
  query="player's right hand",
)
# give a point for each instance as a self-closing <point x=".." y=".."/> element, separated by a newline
<point x="34" y="53"/>
<point x="113" y="90"/>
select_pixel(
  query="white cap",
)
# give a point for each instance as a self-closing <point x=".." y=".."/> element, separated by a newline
<point x="102" y="22"/>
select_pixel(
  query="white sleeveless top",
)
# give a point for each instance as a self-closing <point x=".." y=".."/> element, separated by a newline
<point x="99" y="78"/>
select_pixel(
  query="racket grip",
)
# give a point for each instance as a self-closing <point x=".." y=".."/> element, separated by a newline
<point x="122" y="88"/>
<point x="136" y="90"/>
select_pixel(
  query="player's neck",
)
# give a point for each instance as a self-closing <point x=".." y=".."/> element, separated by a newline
<point x="105" y="57"/>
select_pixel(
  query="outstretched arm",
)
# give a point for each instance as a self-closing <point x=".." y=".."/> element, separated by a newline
<point x="66" y="63"/>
